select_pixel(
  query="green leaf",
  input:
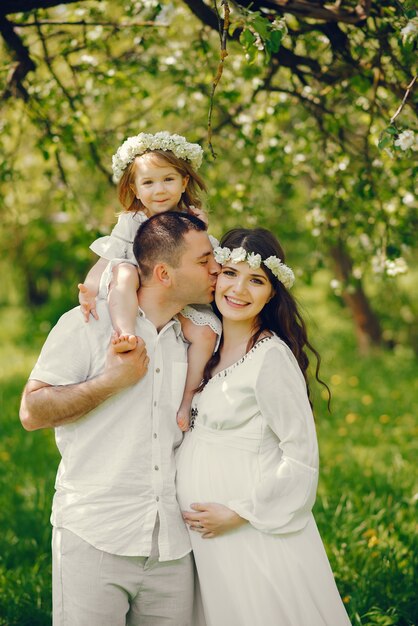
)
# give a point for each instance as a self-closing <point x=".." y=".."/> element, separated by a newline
<point x="247" y="38"/>
<point x="385" y="141"/>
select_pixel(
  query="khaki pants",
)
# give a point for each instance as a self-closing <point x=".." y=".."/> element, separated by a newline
<point x="95" y="588"/>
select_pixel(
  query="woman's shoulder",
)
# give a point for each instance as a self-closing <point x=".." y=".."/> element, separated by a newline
<point x="270" y="341"/>
<point x="278" y="357"/>
<point x="271" y="348"/>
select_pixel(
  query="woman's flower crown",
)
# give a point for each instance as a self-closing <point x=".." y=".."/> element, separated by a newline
<point x="281" y="271"/>
<point x="144" y="142"/>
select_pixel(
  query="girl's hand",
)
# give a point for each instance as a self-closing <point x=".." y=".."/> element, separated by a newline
<point x="200" y="214"/>
<point x="211" y="519"/>
<point x="87" y="300"/>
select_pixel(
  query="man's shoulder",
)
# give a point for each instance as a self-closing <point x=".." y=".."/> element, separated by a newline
<point x="73" y="321"/>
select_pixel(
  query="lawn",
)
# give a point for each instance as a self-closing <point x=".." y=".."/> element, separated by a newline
<point x="367" y="496"/>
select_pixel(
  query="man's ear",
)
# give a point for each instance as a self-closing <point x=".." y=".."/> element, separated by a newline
<point x="162" y="273"/>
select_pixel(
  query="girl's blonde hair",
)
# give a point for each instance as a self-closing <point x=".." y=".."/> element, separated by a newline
<point x="190" y="196"/>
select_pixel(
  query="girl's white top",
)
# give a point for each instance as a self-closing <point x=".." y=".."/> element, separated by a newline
<point x="118" y="245"/>
<point x="118" y="248"/>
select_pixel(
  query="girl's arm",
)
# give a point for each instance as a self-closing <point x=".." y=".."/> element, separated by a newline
<point x="90" y="288"/>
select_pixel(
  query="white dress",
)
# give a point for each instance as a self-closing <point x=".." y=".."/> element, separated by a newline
<point x="253" y="448"/>
<point x="118" y="248"/>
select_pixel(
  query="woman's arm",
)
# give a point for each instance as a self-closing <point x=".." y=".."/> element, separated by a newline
<point x="281" y="501"/>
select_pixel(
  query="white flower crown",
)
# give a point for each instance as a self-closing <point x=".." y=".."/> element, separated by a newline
<point x="135" y="146"/>
<point x="281" y="271"/>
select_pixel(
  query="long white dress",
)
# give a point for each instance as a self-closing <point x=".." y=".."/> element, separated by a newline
<point x="253" y="448"/>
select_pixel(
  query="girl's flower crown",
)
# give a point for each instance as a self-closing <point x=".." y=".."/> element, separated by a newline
<point x="144" y="142"/>
<point x="281" y="271"/>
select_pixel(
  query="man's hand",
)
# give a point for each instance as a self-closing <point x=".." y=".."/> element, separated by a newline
<point x="127" y="368"/>
<point x="47" y="406"/>
<point x="211" y="519"/>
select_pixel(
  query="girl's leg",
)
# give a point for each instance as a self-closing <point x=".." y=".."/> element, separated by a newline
<point x="123" y="306"/>
<point x="202" y="344"/>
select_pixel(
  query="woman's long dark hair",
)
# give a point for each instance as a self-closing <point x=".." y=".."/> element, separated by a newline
<point x="280" y="314"/>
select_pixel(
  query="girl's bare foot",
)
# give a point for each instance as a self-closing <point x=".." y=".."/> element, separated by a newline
<point x="124" y="343"/>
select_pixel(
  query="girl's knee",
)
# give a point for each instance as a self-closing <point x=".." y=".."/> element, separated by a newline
<point x="125" y="274"/>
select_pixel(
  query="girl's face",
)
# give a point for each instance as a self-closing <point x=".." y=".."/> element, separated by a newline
<point x="158" y="185"/>
<point x="242" y="292"/>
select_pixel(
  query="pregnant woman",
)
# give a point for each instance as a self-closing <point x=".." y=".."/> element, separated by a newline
<point x="248" y="470"/>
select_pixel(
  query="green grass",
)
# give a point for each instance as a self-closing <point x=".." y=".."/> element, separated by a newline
<point x="366" y="498"/>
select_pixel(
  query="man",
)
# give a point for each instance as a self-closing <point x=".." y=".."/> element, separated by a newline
<point x="121" y="553"/>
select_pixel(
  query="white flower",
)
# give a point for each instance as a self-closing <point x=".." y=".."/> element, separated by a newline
<point x="410" y="31"/>
<point x="238" y="255"/>
<point x="396" y="266"/>
<point x="254" y="260"/>
<point x="88" y="59"/>
<point x="273" y="263"/>
<point x="281" y="271"/>
<point x="406" y="140"/>
<point x="221" y="255"/>
<point x="135" y="146"/>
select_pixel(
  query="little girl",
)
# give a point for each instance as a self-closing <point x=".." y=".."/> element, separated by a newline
<point x="155" y="173"/>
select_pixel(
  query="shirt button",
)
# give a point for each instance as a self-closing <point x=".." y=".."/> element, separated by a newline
<point x="157" y="498"/>
<point x="156" y="468"/>
<point x="157" y="370"/>
<point x="155" y="403"/>
<point x="155" y="435"/>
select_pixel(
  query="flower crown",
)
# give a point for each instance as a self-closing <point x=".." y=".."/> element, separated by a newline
<point x="281" y="271"/>
<point x="135" y="146"/>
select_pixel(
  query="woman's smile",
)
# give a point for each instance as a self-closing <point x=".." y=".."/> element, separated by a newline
<point x="235" y="302"/>
<point x="242" y="291"/>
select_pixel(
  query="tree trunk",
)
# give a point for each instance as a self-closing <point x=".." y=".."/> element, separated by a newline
<point x="367" y="325"/>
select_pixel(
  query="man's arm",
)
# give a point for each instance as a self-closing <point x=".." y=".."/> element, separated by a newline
<point x="46" y="406"/>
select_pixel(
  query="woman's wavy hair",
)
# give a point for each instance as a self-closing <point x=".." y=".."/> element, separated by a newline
<point x="162" y="158"/>
<point x="280" y="314"/>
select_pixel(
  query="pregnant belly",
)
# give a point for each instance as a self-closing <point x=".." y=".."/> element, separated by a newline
<point x="212" y="472"/>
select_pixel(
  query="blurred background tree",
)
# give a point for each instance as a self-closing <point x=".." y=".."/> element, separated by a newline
<point x="312" y="123"/>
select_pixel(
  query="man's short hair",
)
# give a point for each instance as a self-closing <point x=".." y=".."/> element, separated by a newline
<point x="161" y="240"/>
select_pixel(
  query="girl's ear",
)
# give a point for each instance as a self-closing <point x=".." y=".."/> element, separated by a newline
<point x="185" y="182"/>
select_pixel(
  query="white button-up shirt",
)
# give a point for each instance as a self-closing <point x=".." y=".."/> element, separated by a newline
<point x="117" y="469"/>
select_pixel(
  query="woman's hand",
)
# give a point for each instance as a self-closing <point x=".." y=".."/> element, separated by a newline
<point x="211" y="519"/>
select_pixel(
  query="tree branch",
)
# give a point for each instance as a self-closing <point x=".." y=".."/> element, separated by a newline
<point x="115" y="25"/>
<point x="317" y="10"/>
<point x="22" y="6"/>
<point x="24" y="64"/>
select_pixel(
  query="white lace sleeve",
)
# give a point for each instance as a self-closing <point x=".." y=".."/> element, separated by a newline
<point x="203" y="315"/>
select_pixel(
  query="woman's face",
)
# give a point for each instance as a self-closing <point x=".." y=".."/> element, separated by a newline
<point x="241" y="291"/>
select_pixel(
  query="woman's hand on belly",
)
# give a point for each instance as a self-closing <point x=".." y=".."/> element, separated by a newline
<point x="211" y="519"/>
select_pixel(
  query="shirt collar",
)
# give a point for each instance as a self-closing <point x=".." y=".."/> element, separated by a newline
<point x="175" y="322"/>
